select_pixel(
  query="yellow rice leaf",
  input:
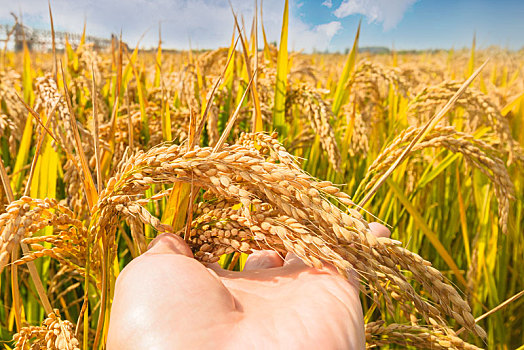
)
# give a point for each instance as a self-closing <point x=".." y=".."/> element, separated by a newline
<point x="242" y="260"/>
<point x="126" y="76"/>
<point x="72" y="57"/>
<point x="83" y="37"/>
<point x="504" y="78"/>
<point x="51" y="161"/>
<point x="166" y="123"/>
<point x="199" y="90"/>
<point x="27" y="79"/>
<point x="341" y="92"/>
<point x="471" y="63"/>
<point x="279" y="120"/>
<point x="230" y="70"/>
<point x="176" y="207"/>
<point x="463" y="219"/>
<point x="23" y="154"/>
<point x="158" y="64"/>
<point x="512" y="105"/>
<point x="35" y="183"/>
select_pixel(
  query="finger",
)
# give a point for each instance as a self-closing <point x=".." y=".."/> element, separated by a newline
<point x="294" y="263"/>
<point x="213" y="266"/>
<point x="215" y="269"/>
<point x="263" y="259"/>
<point x="168" y="243"/>
<point x="379" y="230"/>
<point x="293" y="260"/>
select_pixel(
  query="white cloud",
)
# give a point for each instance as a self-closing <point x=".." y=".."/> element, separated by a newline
<point x="318" y="37"/>
<point x="328" y="29"/>
<point x="387" y="12"/>
<point x="207" y="23"/>
<point x="327" y="3"/>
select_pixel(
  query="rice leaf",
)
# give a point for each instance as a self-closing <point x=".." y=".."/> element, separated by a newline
<point x="341" y="92"/>
<point x="279" y="118"/>
<point x="471" y="62"/>
<point x="23" y="155"/>
<point x="158" y="61"/>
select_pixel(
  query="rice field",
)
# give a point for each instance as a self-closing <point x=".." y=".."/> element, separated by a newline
<point x="241" y="149"/>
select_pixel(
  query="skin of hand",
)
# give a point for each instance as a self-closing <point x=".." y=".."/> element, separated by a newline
<point x="165" y="299"/>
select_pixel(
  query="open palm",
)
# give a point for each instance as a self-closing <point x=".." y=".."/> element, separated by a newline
<point x="165" y="299"/>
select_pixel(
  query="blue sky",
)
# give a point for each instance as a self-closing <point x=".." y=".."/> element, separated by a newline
<point x="431" y="24"/>
<point x="314" y="24"/>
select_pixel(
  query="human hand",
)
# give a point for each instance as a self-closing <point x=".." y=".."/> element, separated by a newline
<point x="165" y="299"/>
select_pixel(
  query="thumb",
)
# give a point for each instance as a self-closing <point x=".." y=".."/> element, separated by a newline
<point x="379" y="230"/>
<point x="263" y="259"/>
<point x="169" y="243"/>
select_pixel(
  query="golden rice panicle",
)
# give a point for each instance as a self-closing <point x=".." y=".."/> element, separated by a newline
<point x="213" y="61"/>
<point x="374" y="78"/>
<point x="380" y="334"/>
<point x="68" y="244"/>
<point x="47" y="96"/>
<point x="25" y="217"/>
<point x="253" y="194"/>
<point x="268" y="147"/>
<point x="54" y="334"/>
<point x="281" y="207"/>
<point x="479" y="109"/>
<point x="476" y="152"/>
<point x="369" y="86"/>
<point x="12" y="112"/>
<point x="319" y="115"/>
